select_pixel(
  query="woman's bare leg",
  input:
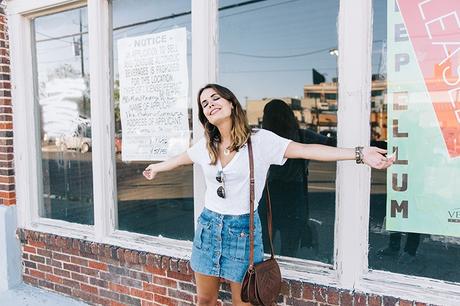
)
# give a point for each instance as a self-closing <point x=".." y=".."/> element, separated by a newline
<point x="207" y="289"/>
<point x="236" y="294"/>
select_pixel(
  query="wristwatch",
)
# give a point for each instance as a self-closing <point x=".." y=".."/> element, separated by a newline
<point x="359" y="155"/>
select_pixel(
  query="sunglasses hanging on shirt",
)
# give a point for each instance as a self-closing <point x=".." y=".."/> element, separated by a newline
<point x="221" y="179"/>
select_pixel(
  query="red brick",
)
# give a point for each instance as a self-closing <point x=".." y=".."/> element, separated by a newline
<point x="154" y="270"/>
<point x="6" y="179"/>
<point x="71" y="267"/>
<point x="113" y="303"/>
<point x="54" y="278"/>
<point x="63" y="289"/>
<point x="71" y="283"/>
<point x="79" y="261"/>
<point x="30" y="280"/>
<point x="119" y="288"/>
<point x="54" y="263"/>
<point x="165" y="282"/>
<point x="100" y="301"/>
<point x="296" y="289"/>
<point x="61" y="272"/>
<point x="420" y="304"/>
<point x="320" y="294"/>
<point x="333" y="297"/>
<point x="45" y="284"/>
<point x="179" y="276"/>
<point x="346" y="299"/>
<point x="38" y="244"/>
<point x="180" y="295"/>
<point x="154" y="288"/>
<point x="98" y="282"/>
<point x="29" y="249"/>
<point x="405" y="303"/>
<point x="90" y="272"/>
<point x="46" y="253"/>
<point x="61" y="257"/>
<point x="164" y="300"/>
<point x="360" y="299"/>
<point x="88" y="288"/>
<point x="45" y="268"/>
<point x="37" y="274"/>
<point x="147" y="303"/>
<point x="80" y="277"/>
<point x="83" y="295"/>
<point x="142" y="294"/>
<point x="308" y="292"/>
<point x="97" y="265"/>
<point x="36" y="258"/>
<point x="8" y="202"/>
<point x="165" y="262"/>
<point x="374" y="300"/>
<point x="390" y="301"/>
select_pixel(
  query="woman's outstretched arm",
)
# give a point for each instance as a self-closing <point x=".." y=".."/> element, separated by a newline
<point x="371" y="156"/>
<point x="180" y="160"/>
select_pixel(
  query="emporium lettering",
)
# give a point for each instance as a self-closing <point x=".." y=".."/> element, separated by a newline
<point x="400" y="179"/>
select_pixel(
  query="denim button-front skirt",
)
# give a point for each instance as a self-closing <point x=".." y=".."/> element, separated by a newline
<point x="221" y="245"/>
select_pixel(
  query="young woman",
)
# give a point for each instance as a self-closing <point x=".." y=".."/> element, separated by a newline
<point x="221" y="242"/>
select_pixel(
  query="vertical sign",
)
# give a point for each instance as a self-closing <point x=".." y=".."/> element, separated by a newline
<point x="424" y="116"/>
<point x="153" y="95"/>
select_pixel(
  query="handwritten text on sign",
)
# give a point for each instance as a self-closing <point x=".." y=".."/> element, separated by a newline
<point x="153" y="95"/>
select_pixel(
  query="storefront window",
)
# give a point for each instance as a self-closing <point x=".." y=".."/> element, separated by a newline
<point x="414" y="220"/>
<point x="287" y="50"/>
<point x="151" y="59"/>
<point x="61" y="45"/>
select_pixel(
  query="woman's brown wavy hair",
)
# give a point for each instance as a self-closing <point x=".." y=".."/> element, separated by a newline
<point x="240" y="130"/>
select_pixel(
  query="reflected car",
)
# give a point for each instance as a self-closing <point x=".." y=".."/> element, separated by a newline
<point x="74" y="142"/>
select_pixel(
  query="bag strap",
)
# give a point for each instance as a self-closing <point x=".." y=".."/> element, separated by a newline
<point x="251" y="210"/>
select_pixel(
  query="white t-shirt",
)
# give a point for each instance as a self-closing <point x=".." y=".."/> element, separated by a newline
<point x="268" y="149"/>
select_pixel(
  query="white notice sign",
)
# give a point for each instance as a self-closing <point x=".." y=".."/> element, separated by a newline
<point x="153" y="95"/>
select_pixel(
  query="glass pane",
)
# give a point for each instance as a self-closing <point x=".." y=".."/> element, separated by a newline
<point x="287" y="50"/>
<point x="417" y="239"/>
<point x="164" y="206"/>
<point x="61" y="43"/>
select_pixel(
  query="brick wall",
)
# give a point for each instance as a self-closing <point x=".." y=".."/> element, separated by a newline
<point x="7" y="189"/>
<point x="107" y="275"/>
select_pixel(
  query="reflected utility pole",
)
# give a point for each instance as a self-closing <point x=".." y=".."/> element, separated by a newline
<point x="82" y="61"/>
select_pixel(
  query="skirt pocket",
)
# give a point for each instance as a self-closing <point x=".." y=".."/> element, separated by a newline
<point x="198" y="240"/>
<point x="239" y="244"/>
<point x="201" y="233"/>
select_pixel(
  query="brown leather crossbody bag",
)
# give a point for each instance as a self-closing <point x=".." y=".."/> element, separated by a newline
<point x="262" y="281"/>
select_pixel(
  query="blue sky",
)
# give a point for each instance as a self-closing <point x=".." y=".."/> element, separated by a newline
<point x="266" y="49"/>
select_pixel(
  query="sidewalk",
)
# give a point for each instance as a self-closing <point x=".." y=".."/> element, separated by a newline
<point x="25" y="295"/>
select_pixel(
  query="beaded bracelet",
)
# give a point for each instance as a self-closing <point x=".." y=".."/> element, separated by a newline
<point x="359" y="155"/>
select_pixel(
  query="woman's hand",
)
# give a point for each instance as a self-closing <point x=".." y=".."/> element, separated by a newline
<point x="373" y="157"/>
<point x="149" y="172"/>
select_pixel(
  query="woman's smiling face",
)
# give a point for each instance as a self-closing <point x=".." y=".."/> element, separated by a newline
<point x="215" y="108"/>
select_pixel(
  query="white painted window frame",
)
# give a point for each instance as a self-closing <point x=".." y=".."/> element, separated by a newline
<point x="350" y="270"/>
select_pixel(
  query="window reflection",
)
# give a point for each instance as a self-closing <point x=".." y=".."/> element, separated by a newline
<point x="406" y="252"/>
<point x="164" y="206"/>
<point x="61" y="43"/>
<point x="277" y="55"/>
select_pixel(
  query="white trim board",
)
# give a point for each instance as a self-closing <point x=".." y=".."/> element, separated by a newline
<point x="350" y="270"/>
